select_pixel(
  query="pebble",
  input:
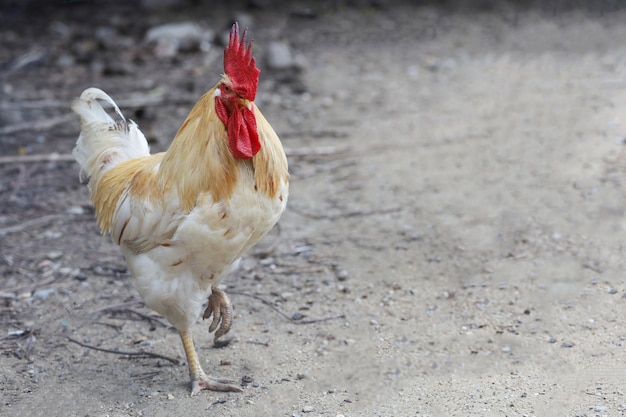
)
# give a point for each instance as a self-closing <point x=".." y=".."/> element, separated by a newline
<point x="343" y="275"/>
<point x="612" y="291"/>
<point x="50" y="234"/>
<point x="171" y="38"/>
<point x="567" y="344"/>
<point x="45" y="264"/>
<point x="300" y="249"/>
<point x="65" y="61"/>
<point x="307" y="409"/>
<point x="70" y="272"/>
<point x="54" y="255"/>
<point x="279" y="56"/>
<point x="44" y="293"/>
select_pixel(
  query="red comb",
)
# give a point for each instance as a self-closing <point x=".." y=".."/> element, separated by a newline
<point x="239" y="64"/>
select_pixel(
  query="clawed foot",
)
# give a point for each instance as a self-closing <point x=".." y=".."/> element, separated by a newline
<point x="221" y="309"/>
<point x="212" y="384"/>
<point x="199" y="380"/>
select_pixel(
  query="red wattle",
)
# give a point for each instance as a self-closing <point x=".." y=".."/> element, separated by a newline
<point x="243" y="136"/>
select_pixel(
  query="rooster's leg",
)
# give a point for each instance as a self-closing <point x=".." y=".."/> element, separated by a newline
<point x="221" y="309"/>
<point x="199" y="380"/>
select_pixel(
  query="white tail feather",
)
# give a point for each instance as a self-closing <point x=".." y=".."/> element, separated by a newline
<point x="103" y="142"/>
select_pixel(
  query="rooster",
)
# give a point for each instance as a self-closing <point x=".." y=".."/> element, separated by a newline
<point x="183" y="218"/>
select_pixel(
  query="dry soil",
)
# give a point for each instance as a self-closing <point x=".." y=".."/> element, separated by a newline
<point x="454" y="240"/>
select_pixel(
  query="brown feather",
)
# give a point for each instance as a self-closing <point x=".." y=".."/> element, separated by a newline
<point x="270" y="163"/>
<point x="135" y="174"/>
<point x="199" y="159"/>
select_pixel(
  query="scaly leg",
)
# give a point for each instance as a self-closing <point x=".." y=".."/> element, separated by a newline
<point x="199" y="380"/>
<point x="221" y="309"/>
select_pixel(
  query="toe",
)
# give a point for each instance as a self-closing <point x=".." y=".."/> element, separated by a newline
<point x="210" y="384"/>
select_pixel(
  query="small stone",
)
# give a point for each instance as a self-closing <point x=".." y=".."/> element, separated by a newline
<point x="342" y="275"/>
<point x="307" y="409"/>
<point x="297" y="316"/>
<point x="301" y="249"/>
<point x="278" y="56"/>
<point x="66" y="61"/>
<point x="45" y="264"/>
<point x="44" y="293"/>
<point x="567" y="344"/>
<point x="551" y="340"/>
<point x="70" y="272"/>
<point x="612" y="291"/>
<point x="54" y="255"/>
<point x="16" y="332"/>
<point x="170" y="38"/>
<point x="51" y="234"/>
<point x="300" y="63"/>
<point x="170" y="396"/>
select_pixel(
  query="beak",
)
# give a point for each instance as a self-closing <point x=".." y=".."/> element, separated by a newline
<point x="246" y="103"/>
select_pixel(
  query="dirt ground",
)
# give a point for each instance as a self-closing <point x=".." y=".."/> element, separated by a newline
<point x="453" y="244"/>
